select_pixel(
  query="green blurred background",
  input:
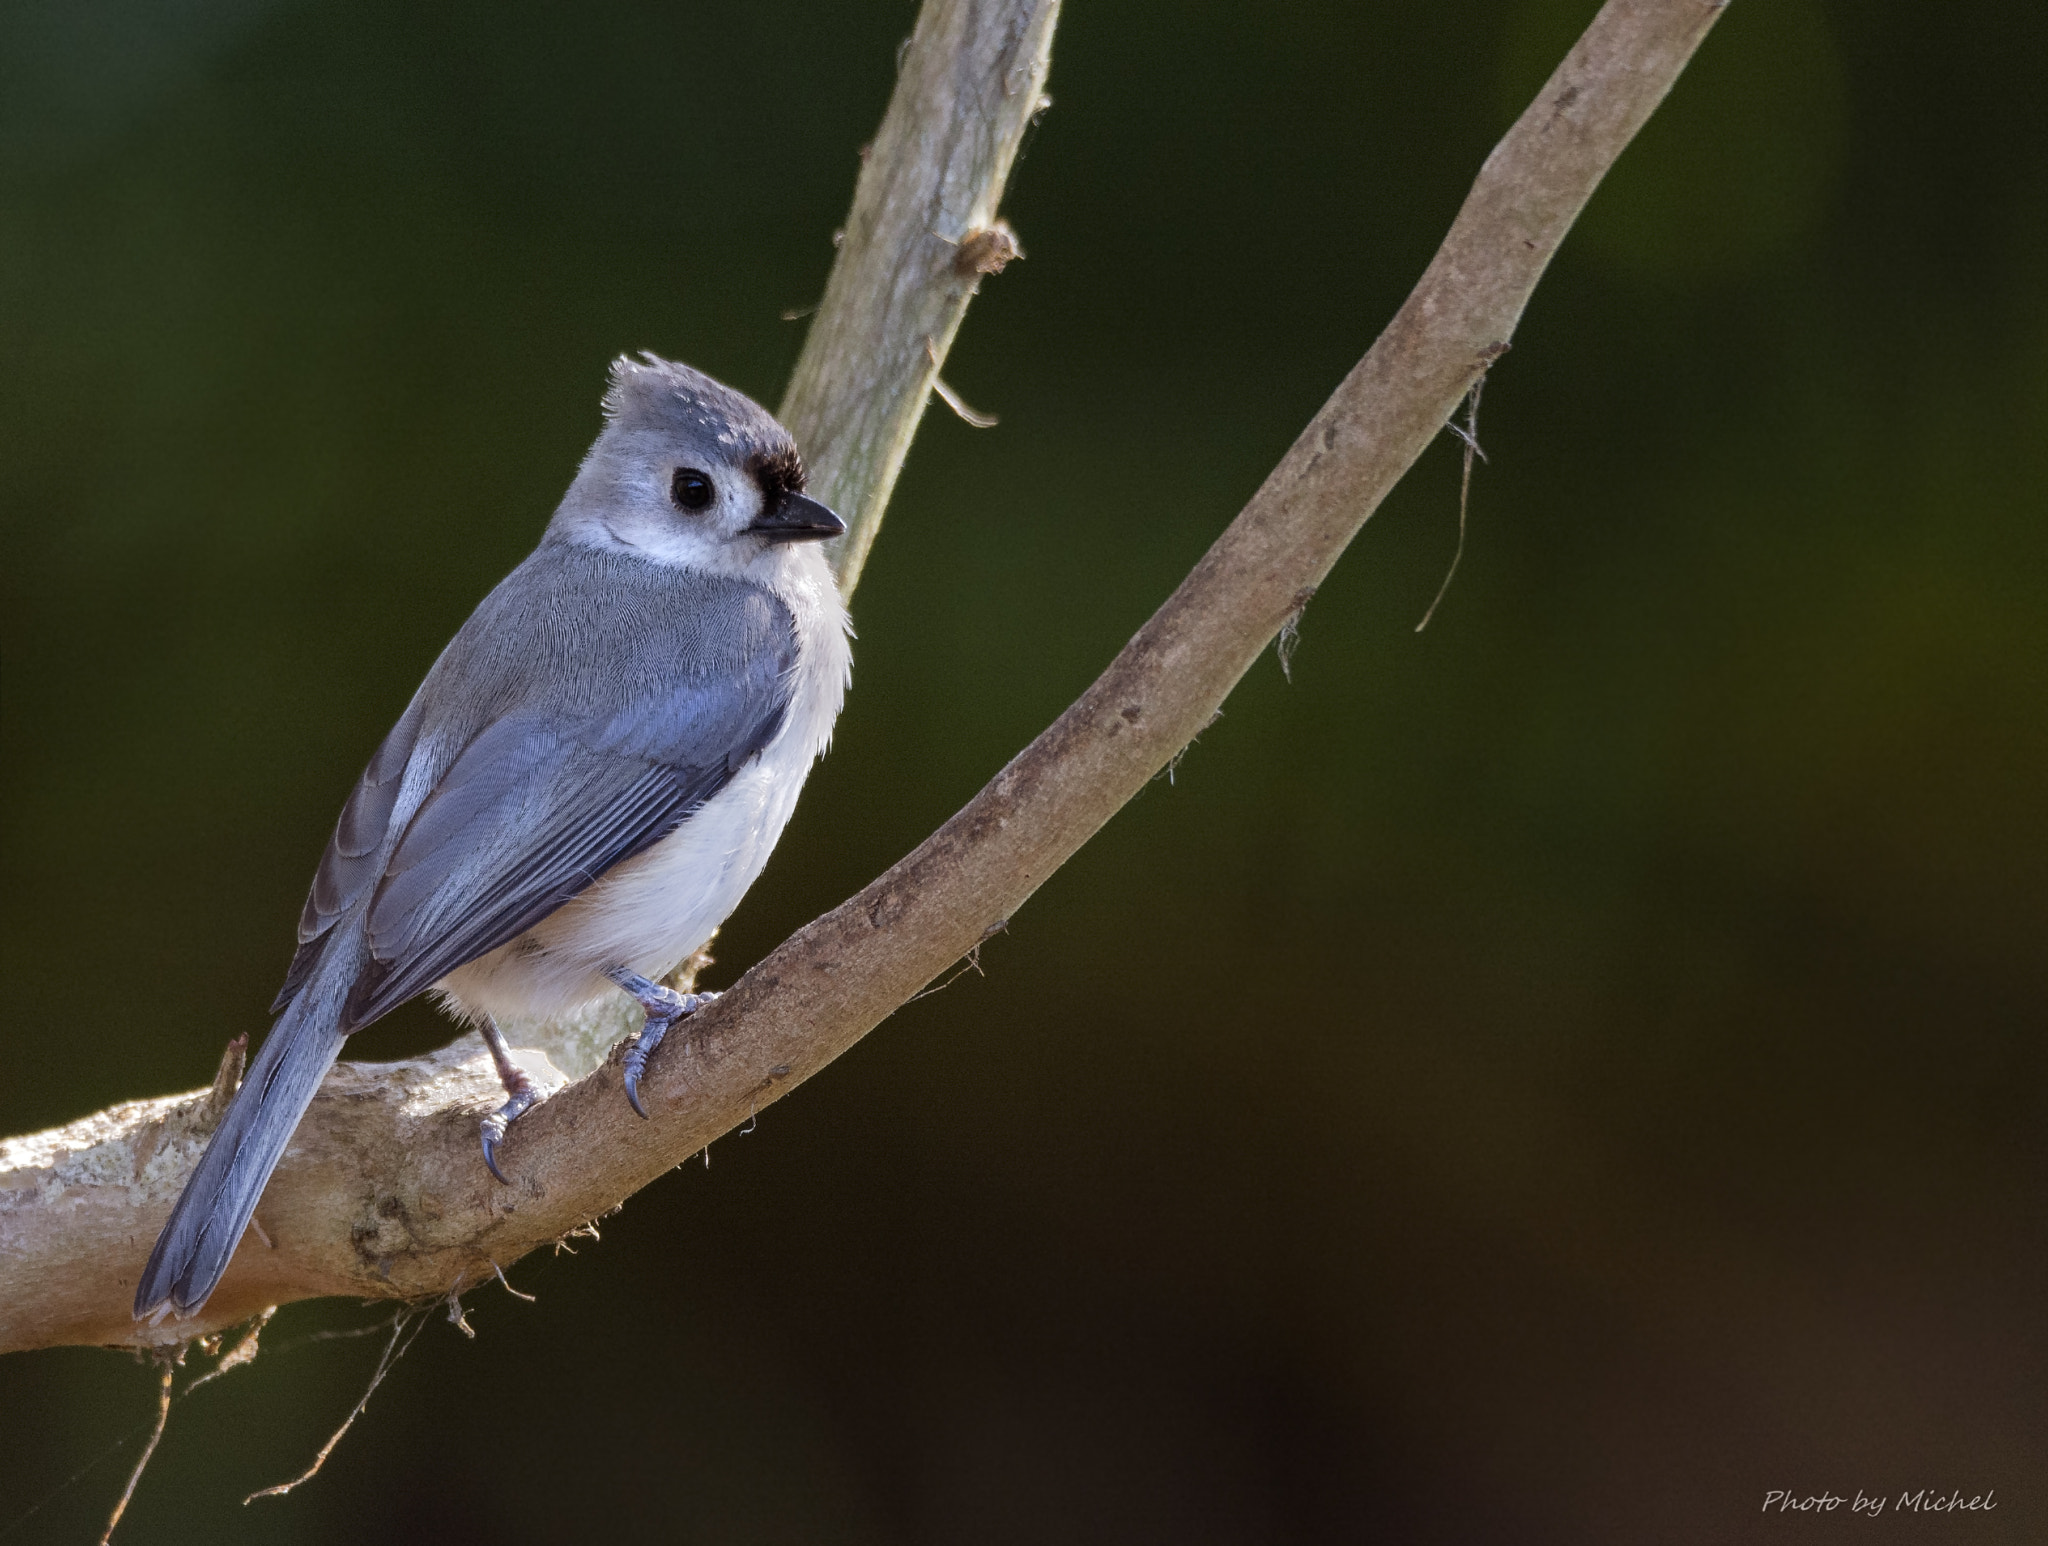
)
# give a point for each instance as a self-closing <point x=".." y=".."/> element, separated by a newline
<point x="1555" y="1077"/>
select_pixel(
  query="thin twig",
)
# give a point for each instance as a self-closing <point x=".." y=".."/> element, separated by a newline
<point x="70" y="1481"/>
<point x="1469" y="433"/>
<point x="349" y="1334"/>
<point x="392" y="1353"/>
<point x="243" y="1352"/>
<point x="966" y="415"/>
<point x="163" y="1416"/>
<point x="529" y="1298"/>
<point x="971" y="963"/>
<point x="1289" y="637"/>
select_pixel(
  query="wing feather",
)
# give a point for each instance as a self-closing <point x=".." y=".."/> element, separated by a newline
<point x="352" y="862"/>
<point x="548" y="792"/>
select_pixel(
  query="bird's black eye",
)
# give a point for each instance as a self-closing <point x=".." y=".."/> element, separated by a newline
<point x="691" y="490"/>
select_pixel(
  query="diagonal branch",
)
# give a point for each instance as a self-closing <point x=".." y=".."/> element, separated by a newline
<point x="383" y="1194"/>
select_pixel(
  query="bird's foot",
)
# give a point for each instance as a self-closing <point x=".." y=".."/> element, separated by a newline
<point x="493" y="1126"/>
<point x="522" y="1094"/>
<point x="663" y="1007"/>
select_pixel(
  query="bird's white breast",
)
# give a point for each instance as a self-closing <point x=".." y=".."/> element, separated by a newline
<point x="655" y="910"/>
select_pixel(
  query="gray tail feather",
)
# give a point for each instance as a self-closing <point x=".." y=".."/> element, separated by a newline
<point x="216" y="1205"/>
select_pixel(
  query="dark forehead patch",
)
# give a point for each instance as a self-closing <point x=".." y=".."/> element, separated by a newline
<point x="779" y="471"/>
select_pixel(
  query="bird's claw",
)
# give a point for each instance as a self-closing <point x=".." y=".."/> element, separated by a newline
<point x="493" y="1134"/>
<point x="664" y="1007"/>
<point x="492" y="1129"/>
<point x="636" y="1061"/>
<point x="521" y="1095"/>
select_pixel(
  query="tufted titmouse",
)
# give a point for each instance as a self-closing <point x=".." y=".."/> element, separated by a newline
<point x="589" y="779"/>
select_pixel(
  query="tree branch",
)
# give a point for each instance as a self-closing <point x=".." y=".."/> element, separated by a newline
<point x="922" y="233"/>
<point x="382" y="1194"/>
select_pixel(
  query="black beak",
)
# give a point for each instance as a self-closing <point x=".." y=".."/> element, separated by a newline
<point x="796" y="518"/>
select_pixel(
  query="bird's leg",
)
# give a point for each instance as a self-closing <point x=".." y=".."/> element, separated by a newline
<point x="522" y="1094"/>
<point x="664" y="1006"/>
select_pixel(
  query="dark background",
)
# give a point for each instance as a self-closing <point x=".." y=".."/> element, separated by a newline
<point x="1555" y="1077"/>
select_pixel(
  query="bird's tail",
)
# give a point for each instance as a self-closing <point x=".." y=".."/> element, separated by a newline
<point x="215" y="1207"/>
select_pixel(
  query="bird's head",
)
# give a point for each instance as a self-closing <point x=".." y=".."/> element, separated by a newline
<point x="688" y="471"/>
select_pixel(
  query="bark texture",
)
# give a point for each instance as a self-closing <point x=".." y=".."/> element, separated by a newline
<point x="922" y="233"/>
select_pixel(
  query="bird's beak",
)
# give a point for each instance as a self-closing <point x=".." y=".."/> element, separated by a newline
<point x="795" y="518"/>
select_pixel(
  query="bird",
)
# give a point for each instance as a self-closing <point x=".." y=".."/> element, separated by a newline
<point x="591" y="776"/>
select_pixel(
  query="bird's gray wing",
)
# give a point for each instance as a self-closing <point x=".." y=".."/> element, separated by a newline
<point x="353" y="860"/>
<point x="577" y="767"/>
<point x="533" y="811"/>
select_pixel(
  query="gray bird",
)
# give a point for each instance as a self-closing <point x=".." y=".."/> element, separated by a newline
<point x="587" y="782"/>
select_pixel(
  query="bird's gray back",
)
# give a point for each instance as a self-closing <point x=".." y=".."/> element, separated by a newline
<point x="532" y="643"/>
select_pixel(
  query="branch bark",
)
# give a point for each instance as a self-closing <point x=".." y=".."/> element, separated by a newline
<point x="382" y="1194"/>
<point x="922" y="233"/>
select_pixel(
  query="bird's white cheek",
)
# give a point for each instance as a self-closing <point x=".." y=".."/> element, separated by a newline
<point x="665" y="539"/>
